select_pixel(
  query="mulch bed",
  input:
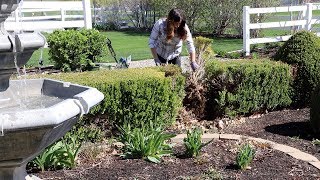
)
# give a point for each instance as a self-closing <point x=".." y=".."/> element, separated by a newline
<point x="288" y="127"/>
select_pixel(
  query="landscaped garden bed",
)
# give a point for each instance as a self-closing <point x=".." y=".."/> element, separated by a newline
<point x="217" y="159"/>
<point x="125" y="137"/>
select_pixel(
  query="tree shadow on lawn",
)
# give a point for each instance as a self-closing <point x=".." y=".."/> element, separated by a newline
<point x="136" y="33"/>
<point x="301" y="130"/>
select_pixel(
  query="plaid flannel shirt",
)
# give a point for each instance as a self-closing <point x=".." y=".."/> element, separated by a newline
<point x="168" y="49"/>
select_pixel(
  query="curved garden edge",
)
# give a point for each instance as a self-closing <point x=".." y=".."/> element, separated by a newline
<point x="293" y="152"/>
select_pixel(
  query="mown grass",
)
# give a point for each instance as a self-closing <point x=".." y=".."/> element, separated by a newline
<point x="136" y="44"/>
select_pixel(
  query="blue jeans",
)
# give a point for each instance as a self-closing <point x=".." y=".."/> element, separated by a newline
<point x="172" y="61"/>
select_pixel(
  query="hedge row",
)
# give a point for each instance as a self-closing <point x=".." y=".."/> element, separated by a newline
<point x="246" y="86"/>
<point x="133" y="95"/>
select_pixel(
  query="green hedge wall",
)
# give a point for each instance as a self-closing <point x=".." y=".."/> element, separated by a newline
<point x="133" y="95"/>
<point x="246" y="86"/>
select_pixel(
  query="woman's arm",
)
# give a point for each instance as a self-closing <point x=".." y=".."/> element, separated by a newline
<point x="153" y="39"/>
<point x="190" y="45"/>
<point x="191" y="49"/>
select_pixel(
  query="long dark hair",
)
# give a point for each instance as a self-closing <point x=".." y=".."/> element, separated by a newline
<point x="176" y="15"/>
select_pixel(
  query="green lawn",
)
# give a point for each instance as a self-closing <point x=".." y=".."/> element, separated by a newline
<point x="128" y="43"/>
<point x="272" y="32"/>
<point x="34" y="60"/>
<point x="136" y="45"/>
<point x="224" y="44"/>
<point x="315" y="13"/>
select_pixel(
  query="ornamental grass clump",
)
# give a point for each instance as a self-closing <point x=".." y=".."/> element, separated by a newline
<point x="245" y="156"/>
<point x="147" y="142"/>
<point x="195" y="99"/>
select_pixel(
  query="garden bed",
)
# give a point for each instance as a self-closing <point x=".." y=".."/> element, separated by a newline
<point x="288" y="127"/>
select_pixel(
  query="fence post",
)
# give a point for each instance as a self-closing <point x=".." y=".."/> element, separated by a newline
<point x="16" y="15"/>
<point x="62" y="11"/>
<point x="246" y="30"/>
<point x="87" y="14"/>
<point x="309" y="16"/>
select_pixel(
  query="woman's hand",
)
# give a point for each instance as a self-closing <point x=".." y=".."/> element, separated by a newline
<point x="194" y="65"/>
<point x="157" y="61"/>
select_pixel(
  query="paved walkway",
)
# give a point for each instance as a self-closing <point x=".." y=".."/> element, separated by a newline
<point x="185" y="64"/>
<point x="296" y="153"/>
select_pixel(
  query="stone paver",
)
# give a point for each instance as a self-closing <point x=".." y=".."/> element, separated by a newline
<point x="231" y="136"/>
<point x="315" y="164"/>
<point x="209" y="137"/>
<point x="262" y="141"/>
<point x="284" y="148"/>
<point x="178" y="138"/>
<point x="304" y="156"/>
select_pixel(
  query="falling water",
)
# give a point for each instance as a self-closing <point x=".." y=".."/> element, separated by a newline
<point x="16" y="62"/>
<point x="41" y="58"/>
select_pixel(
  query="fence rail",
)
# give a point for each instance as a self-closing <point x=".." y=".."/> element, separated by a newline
<point x="305" y="23"/>
<point x="50" y="15"/>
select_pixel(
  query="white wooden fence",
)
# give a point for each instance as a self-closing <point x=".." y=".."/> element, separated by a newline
<point x="50" y="15"/>
<point x="306" y="23"/>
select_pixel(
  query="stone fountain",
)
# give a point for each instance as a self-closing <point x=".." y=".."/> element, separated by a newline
<point x="33" y="113"/>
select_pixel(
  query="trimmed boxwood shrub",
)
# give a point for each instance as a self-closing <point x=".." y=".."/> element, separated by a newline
<point x="133" y="95"/>
<point x="302" y="51"/>
<point x="246" y="86"/>
<point x="75" y="50"/>
<point x="315" y="110"/>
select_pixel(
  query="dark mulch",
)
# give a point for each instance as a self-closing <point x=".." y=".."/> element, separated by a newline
<point x="288" y="127"/>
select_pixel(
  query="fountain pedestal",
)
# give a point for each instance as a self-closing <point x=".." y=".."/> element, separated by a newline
<point x="33" y="113"/>
<point x="27" y="131"/>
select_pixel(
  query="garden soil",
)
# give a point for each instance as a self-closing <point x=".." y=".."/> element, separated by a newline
<point x="217" y="159"/>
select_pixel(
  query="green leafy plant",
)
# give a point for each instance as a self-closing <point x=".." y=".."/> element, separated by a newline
<point x="71" y="149"/>
<point x="316" y="142"/>
<point x="245" y="156"/>
<point x="48" y="158"/>
<point x="193" y="142"/>
<point x="61" y="154"/>
<point x="147" y="143"/>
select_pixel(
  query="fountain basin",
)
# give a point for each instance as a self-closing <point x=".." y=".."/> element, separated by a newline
<point x="28" y="129"/>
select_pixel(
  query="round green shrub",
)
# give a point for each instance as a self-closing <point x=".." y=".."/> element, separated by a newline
<point x="302" y="52"/>
<point x="314" y="110"/>
<point x="75" y="50"/>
